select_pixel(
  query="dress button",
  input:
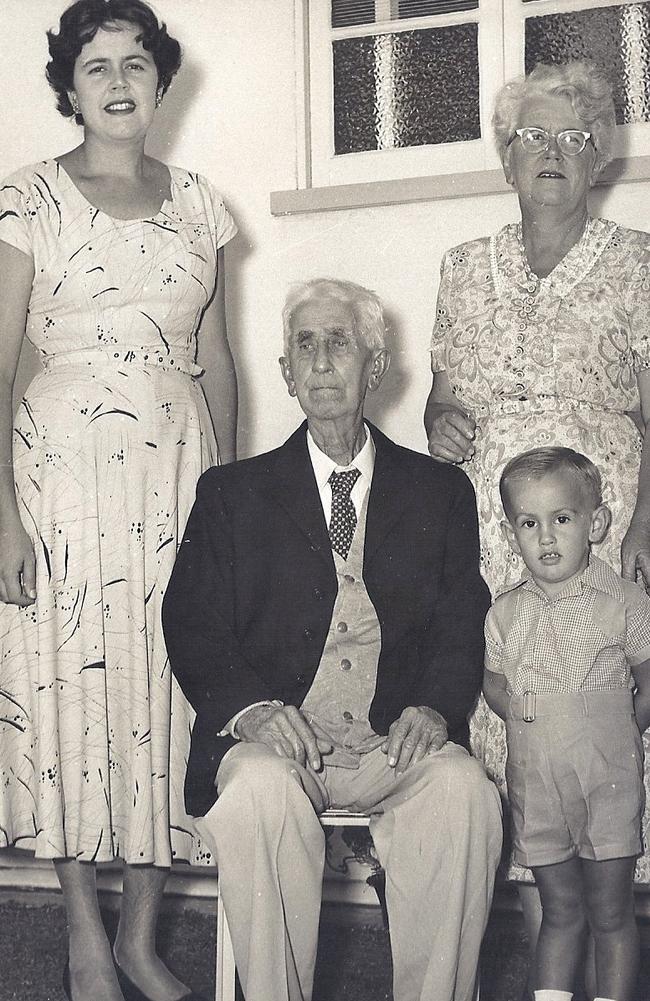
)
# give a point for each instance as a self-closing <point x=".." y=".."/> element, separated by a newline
<point x="341" y="627"/>
<point x="346" y="664"/>
<point x="519" y="350"/>
<point x="348" y="578"/>
<point x="347" y="716"/>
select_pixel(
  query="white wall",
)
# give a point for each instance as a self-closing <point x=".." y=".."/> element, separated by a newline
<point x="230" y="115"/>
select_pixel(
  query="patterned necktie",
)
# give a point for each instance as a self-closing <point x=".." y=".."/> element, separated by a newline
<point x="344" y="517"/>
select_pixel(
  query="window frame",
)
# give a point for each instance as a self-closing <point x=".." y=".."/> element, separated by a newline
<point x="426" y="176"/>
<point x="415" y="161"/>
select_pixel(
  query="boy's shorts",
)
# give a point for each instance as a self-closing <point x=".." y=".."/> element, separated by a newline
<point x="575" y="777"/>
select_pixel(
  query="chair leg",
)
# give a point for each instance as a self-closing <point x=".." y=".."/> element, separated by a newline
<point x="225" y="972"/>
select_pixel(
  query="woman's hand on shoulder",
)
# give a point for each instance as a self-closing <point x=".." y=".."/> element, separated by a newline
<point x="635" y="552"/>
<point x="451" y="433"/>
<point x="17" y="566"/>
<point x="450" y="429"/>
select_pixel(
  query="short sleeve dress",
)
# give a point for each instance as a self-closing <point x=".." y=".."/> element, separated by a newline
<point x="108" y="444"/>
<point x="546" y="362"/>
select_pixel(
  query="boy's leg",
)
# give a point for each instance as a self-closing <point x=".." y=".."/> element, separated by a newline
<point x="609" y="901"/>
<point x="562" y="936"/>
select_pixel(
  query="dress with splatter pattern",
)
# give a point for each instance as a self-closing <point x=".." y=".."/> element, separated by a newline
<point x="108" y="444"/>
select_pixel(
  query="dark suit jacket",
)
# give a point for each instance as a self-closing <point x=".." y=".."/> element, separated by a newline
<point x="250" y="599"/>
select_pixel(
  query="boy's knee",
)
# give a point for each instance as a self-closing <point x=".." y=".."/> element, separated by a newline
<point x="565" y="912"/>
<point x="611" y="917"/>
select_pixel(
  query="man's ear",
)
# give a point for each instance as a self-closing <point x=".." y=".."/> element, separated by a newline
<point x="510" y="537"/>
<point x="285" y="368"/>
<point x="601" y="519"/>
<point x="380" y="365"/>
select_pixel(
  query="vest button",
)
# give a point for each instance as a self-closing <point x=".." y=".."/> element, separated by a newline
<point x="308" y="634"/>
<point x="341" y="627"/>
<point x="347" y="716"/>
<point x="346" y="664"/>
<point x="318" y="593"/>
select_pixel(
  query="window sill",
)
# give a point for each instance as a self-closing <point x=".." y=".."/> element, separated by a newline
<point x="424" y="189"/>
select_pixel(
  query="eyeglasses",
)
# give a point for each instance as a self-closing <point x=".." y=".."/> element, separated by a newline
<point x="570" y="142"/>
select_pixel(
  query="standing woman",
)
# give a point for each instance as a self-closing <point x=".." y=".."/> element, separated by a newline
<point x="111" y="264"/>
<point x="542" y="337"/>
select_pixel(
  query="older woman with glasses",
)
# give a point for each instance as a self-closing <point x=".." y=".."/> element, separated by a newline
<point x="542" y="335"/>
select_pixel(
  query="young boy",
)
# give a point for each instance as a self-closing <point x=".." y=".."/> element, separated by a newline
<point x="566" y="648"/>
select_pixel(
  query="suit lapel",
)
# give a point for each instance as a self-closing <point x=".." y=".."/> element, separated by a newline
<point x="291" y="484"/>
<point x="388" y="495"/>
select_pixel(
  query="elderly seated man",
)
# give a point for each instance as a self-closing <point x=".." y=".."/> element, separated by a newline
<point x="325" y="620"/>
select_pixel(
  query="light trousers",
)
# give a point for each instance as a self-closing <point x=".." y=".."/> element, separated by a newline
<point x="437" y="832"/>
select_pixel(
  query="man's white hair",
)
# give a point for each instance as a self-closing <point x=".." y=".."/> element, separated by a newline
<point x="366" y="307"/>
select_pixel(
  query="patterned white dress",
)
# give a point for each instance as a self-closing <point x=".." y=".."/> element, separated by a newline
<point x="109" y="442"/>
<point x="546" y="362"/>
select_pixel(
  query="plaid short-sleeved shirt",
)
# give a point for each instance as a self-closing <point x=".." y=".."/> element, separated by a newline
<point x="585" y="638"/>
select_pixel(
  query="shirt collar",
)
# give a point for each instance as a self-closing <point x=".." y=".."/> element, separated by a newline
<point x="597" y="575"/>
<point x="323" y="466"/>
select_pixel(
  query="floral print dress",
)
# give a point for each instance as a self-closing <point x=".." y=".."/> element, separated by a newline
<point x="546" y="362"/>
<point x="108" y="444"/>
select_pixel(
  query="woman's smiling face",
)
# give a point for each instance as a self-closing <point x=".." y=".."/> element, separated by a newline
<point x="550" y="177"/>
<point x="115" y="82"/>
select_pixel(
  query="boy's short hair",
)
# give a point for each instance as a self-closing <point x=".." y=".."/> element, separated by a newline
<point x="538" y="462"/>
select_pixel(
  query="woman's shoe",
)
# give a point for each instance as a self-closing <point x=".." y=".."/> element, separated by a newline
<point x="132" y="992"/>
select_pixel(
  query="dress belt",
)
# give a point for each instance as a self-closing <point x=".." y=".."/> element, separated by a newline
<point x="539" y="404"/>
<point x="122" y="354"/>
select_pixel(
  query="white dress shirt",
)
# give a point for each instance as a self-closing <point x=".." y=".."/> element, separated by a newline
<point x="323" y="468"/>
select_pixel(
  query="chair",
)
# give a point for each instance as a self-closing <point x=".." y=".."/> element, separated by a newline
<point x="225" y="959"/>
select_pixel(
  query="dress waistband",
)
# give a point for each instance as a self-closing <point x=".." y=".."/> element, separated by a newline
<point x="534" y="705"/>
<point x="122" y="354"/>
<point x="539" y="404"/>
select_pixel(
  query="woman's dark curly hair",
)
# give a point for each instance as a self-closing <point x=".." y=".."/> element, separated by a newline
<point x="80" y="23"/>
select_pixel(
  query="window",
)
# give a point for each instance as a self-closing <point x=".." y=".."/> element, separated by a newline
<point x="405" y="88"/>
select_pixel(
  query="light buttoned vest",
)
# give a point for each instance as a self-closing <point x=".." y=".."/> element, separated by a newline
<point x="338" y="702"/>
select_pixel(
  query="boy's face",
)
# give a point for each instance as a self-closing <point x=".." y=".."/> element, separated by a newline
<point x="551" y="523"/>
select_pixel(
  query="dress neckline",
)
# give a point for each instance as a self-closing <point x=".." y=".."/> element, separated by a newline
<point x="62" y="170"/>
<point x="513" y="277"/>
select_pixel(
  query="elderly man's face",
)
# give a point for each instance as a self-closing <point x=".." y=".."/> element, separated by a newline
<point x="327" y="366"/>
